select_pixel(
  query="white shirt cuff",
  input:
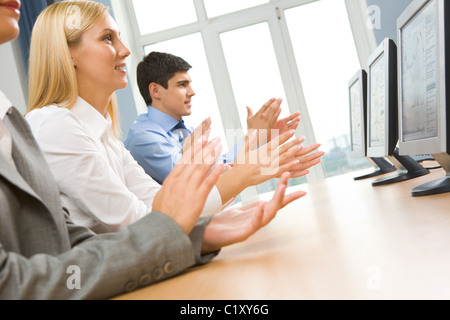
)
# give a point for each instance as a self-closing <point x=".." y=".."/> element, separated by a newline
<point x="213" y="203"/>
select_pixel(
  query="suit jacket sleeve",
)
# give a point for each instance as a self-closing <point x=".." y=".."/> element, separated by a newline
<point x="103" y="266"/>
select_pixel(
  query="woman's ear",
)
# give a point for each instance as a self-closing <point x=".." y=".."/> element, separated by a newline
<point x="73" y="53"/>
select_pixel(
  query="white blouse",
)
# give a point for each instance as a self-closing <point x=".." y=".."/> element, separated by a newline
<point x="100" y="183"/>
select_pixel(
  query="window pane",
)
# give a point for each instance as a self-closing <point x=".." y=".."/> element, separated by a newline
<point x="155" y="15"/>
<point x="253" y="69"/>
<point x="254" y="73"/>
<point x="327" y="59"/>
<point x="219" y="7"/>
<point x="204" y="103"/>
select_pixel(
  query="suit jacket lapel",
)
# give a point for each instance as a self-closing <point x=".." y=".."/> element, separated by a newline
<point x="7" y="169"/>
<point x="33" y="174"/>
<point x="33" y="168"/>
<point x="11" y="174"/>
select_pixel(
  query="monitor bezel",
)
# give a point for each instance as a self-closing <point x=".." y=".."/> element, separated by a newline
<point x="439" y="144"/>
<point x="361" y="77"/>
<point x="387" y="48"/>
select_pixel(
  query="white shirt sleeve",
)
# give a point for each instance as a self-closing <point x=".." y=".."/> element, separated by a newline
<point x="84" y="173"/>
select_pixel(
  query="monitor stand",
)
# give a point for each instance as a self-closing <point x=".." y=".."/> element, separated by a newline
<point x="381" y="167"/>
<point x="407" y="168"/>
<point x="437" y="186"/>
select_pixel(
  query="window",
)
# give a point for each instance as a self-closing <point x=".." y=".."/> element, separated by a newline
<point x="254" y="73"/>
<point x="216" y="8"/>
<point x="327" y="59"/>
<point x="244" y="52"/>
<point x="253" y="68"/>
<point x="166" y="17"/>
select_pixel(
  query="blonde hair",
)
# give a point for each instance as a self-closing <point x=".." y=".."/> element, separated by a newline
<point x="52" y="77"/>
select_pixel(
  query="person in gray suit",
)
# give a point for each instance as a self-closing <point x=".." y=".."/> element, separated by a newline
<point x="43" y="255"/>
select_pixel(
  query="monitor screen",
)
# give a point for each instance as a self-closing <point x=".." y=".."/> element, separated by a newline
<point x="377" y="103"/>
<point x="357" y="89"/>
<point x="423" y="33"/>
<point x="419" y="75"/>
<point x="382" y="102"/>
<point x="422" y="101"/>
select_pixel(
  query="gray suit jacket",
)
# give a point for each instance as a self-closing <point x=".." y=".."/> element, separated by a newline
<point x="43" y="255"/>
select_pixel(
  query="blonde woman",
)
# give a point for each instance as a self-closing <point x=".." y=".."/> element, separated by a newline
<point x="77" y="62"/>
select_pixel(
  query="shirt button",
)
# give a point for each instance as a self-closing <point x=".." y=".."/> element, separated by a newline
<point x="157" y="273"/>
<point x="130" y="286"/>
<point x="145" y="279"/>
<point x="169" y="267"/>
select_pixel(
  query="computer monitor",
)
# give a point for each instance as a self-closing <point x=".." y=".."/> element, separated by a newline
<point x="382" y="115"/>
<point x="357" y="91"/>
<point x="423" y="35"/>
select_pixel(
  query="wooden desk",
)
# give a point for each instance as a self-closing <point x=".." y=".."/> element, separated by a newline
<point x="344" y="240"/>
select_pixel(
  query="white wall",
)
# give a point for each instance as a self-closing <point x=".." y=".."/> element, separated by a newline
<point x="11" y="81"/>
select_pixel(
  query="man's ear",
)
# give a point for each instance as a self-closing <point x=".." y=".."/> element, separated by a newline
<point x="154" y="90"/>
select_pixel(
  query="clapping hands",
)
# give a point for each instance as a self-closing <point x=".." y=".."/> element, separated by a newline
<point x="186" y="188"/>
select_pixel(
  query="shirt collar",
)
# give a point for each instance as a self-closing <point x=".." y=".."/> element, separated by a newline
<point x="163" y="119"/>
<point x="92" y="118"/>
<point x="5" y="104"/>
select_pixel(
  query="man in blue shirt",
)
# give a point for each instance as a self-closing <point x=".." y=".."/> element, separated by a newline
<point x="156" y="139"/>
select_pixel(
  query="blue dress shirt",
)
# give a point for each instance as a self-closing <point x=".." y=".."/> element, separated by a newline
<point x="156" y="140"/>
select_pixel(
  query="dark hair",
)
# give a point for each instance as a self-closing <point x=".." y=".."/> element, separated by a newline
<point x="159" y="68"/>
